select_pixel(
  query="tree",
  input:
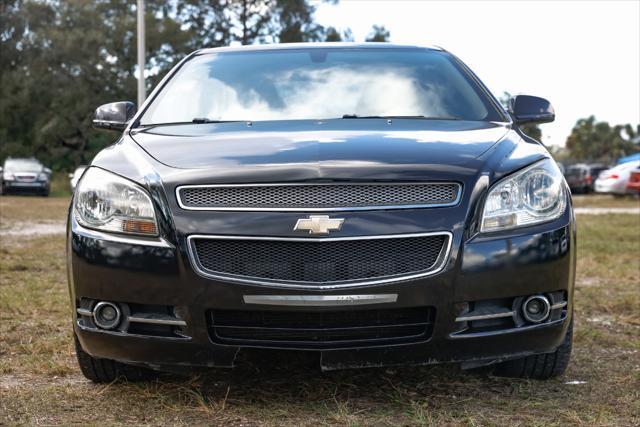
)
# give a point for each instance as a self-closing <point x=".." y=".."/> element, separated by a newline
<point x="333" y="35"/>
<point x="530" y="129"/>
<point x="253" y="18"/>
<point x="293" y="22"/>
<point x="206" y="22"/>
<point x="60" y="59"/>
<point x="378" y="34"/>
<point x="67" y="58"/>
<point x="599" y="141"/>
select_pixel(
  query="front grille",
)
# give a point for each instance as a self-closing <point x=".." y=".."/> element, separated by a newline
<point x="328" y="329"/>
<point x="314" y="262"/>
<point x="26" y="177"/>
<point x="306" y="197"/>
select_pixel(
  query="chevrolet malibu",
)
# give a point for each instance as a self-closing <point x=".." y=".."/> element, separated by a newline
<point x="373" y="204"/>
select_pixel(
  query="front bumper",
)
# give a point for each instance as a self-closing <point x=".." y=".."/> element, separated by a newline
<point x="24" y="187"/>
<point x="534" y="260"/>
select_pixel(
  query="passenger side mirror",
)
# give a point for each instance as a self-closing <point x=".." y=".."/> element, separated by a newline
<point x="114" y="116"/>
<point x="531" y="109"/>
<point x="47" y="171"/>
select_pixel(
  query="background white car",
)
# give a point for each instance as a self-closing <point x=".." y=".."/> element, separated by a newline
<point x="615" y="180"/>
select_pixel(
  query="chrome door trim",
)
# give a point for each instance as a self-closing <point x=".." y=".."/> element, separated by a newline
<point x="319" y="300"/>
<point x="441" y="262"/>
<point x="333" y="209"/>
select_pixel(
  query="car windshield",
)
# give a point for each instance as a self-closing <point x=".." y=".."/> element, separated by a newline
<point x="22" y="166"/>
<point x="321" y="83"/>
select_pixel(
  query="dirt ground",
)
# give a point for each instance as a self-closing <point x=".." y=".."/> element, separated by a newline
<point x="40" y="382"/>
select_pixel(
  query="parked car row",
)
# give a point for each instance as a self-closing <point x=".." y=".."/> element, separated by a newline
<point x="25" y="175"/>
<point x="581" y="177"/>
<point x="584" y="178"/>
<point x="29" y="176"/>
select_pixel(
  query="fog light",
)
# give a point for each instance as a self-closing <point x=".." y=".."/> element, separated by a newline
<point x="106" y="315"/>
<point x="536" y="309"/>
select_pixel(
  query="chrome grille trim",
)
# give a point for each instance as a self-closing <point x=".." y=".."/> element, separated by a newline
<point x="320" y="300"/>
<point x="309" y="208"/>
<point x="201" y="271"/>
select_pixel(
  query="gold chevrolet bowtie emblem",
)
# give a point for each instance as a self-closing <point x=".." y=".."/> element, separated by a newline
<point x="318" y="224"/>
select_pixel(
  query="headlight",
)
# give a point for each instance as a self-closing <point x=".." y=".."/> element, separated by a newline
<point x="8" y="176"/>
<point x="531" y="196"/>
<point x="107" y="202"/>
<point x="42" y="176"/>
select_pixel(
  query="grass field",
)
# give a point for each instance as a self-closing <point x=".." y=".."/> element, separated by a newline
<point x="41" y="384"/>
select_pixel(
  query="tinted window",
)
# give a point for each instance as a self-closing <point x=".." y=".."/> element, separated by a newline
<point x="320" y="84"/>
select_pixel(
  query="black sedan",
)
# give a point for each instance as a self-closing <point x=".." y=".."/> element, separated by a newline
<point x="373" y="204"/>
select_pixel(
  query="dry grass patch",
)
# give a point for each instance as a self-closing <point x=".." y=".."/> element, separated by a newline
<point x="604" y="201"/>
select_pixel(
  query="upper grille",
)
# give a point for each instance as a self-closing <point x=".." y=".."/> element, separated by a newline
<point x="317" y="262"/>
<point x="309" y="197"/>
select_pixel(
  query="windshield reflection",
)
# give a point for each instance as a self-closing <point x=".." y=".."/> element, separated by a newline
<point x="293" y="85"/>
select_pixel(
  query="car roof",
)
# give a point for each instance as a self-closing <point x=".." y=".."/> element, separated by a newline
<point x="323" y="45"/>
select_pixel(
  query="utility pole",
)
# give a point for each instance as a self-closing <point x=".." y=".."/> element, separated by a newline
<point x="141" y="87"/>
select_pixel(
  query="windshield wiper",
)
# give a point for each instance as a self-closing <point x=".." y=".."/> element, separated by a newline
<point x="355" y="116"/>
<point x="196" y="121"/>
<point x="199" y="120"/>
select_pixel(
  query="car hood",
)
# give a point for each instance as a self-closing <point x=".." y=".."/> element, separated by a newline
<point x="332" y="149"/>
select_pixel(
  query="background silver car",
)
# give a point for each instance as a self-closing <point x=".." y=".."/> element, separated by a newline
<point x="75" y="177"/>
<point x="25" y="175"/>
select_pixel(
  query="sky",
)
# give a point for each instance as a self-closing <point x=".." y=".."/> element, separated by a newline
<point x="583" y="56"/>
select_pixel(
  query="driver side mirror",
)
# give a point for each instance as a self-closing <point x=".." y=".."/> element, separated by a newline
<point x="114" y="116"/>
<point x="531" y="109"/>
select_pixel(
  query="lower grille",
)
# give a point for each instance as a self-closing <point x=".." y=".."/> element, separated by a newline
<point x="330" y="329"/>
<point x="316" y="262"/>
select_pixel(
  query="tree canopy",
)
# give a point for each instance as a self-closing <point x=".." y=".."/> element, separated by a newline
<point x="591" y="140"/>
<point x="378" y="34"/>
<point x="60" y="59"/>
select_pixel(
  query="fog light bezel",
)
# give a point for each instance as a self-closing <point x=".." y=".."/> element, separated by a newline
<point x="545" y="303"/>
<point x="107" y="325"/>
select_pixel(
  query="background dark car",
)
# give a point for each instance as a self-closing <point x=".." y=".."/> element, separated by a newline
<point x="25" y="175"/>
<point x="581" y="177"/>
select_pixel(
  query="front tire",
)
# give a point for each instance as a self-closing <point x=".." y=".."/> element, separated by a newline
<point x="540" y="366"/>
<point x="106" y="370"/>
